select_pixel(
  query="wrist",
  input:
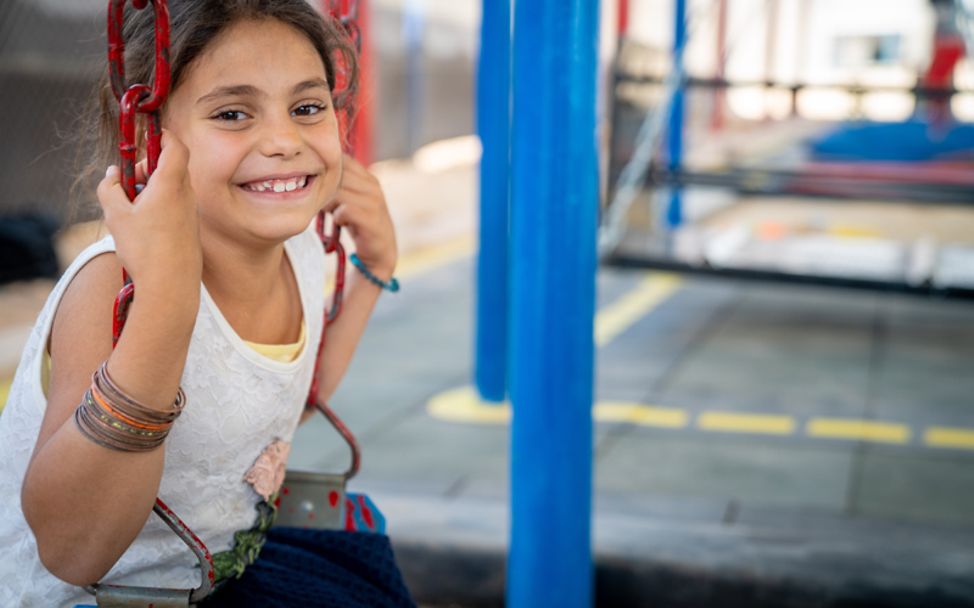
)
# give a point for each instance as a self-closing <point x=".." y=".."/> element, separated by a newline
<point x="379" y="277"/>
<point x="173" y="299"/>
<point x="383" y="268"/>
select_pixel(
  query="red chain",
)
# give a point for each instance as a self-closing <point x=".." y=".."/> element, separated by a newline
<point x="345" y="12"/>
<point x="136" y="99"/>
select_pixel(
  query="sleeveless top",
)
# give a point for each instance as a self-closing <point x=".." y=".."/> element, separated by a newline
<point x="241" y="407"/>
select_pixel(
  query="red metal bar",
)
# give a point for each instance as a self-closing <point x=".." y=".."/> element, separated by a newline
<point x="622" y="19"/>
<point x="363" y="124"/>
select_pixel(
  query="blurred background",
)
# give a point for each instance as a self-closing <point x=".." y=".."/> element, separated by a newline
<point x="784" y="404"/>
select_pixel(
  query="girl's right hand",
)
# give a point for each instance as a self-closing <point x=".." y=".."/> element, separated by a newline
<point x="157" y="235"/>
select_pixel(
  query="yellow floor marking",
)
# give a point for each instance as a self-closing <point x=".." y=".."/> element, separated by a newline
<point x="4" y="392"/>
<point x="618" y="316"/>
<point x="422" y="260"/>
<point x="733" y="422"/>
<point x="863" y="430"/>
<point x="947" y="437"/>
<point x="464" y="405"/>
<point x="644" y="415"/>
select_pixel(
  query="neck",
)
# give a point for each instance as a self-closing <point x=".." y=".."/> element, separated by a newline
<point x="240" y="273"/>
<point x="253" y="288"/>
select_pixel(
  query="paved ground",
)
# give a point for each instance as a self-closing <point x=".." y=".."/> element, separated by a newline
<point x="787" y="414"/>
<point x="756" y="445"/>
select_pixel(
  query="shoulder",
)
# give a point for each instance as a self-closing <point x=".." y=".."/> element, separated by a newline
<point x="82" y="326"/>
<point x="89" y="295"/>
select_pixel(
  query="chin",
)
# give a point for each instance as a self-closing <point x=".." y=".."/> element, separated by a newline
<point x="280" y="229"/>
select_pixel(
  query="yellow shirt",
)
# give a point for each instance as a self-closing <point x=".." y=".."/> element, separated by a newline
<point x="285" y="353"/>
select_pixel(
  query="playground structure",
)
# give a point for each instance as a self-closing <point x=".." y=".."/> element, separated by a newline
<point x="796" y="212"/>
<point x="539" y="301"/>
<point x="882" y="204"/>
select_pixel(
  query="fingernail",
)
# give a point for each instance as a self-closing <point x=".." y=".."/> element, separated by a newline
<point x="112" y="170"/>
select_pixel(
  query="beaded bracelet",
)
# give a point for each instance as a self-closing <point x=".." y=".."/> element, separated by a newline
<point x="392" y="285"/>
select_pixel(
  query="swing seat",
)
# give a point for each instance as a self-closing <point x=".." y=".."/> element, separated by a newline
<point x="114" y="596"/>
<point x="319" y="501"/>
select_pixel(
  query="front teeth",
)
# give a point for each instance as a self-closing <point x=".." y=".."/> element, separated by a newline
<point x="277" y="185"/>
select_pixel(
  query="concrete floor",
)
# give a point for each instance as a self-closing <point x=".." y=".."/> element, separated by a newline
<point x="810" y="413"/>
<point x="808" y="354"/>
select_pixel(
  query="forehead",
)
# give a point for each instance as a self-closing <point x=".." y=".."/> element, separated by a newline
<point x="267" y="54"/>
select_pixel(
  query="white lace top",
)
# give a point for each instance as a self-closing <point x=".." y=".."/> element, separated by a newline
<point x="239" y="402"/>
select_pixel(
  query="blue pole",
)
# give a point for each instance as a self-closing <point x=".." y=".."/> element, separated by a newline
<point x="494" y="127"/>
<point x="554" y="200"/>
<point x="413" y="25"/>
<point x="674" y="212"/>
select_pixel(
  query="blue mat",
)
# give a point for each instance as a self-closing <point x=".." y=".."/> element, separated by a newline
<point x="911" y="141"/>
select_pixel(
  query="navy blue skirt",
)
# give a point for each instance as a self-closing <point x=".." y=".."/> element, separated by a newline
<point x="333" y="568"/>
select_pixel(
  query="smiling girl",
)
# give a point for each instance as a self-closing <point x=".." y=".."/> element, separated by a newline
<point x="226" y="323"/>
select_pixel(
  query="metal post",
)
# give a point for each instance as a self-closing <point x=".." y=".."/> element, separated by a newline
<point x="674" y="212"/>
<point x="363" y="125"/>
<point x="413" y="26"/>
<point x="720" y="93"/>
<point x="770" y="51"/>
<point x="622" y="19"/>
<point x="801" y="50"/>
<point x="553" y="228"/>
<point x="494" y="127"/>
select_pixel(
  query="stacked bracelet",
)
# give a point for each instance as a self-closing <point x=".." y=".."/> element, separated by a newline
<point x="113" y="419"/>
<point x="392" y="285"/>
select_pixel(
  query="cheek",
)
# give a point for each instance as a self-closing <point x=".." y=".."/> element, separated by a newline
<point x="212" y="161"/>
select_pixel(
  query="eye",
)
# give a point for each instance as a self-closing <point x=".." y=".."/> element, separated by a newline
<point x="230" y="115"/>
<point x="309" y="109"/>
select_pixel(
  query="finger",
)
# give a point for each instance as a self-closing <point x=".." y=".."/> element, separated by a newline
<point x="357" y="199"/>
<point x="353" y="164"/>
<point x="330" y="206"/>
<point x="174" y="156"/>
<point x="360" y="180"/>
<point x="345" y="215"/>
<point x="110" y="193"/>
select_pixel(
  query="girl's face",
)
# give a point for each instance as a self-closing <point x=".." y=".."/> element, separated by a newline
<point x="255" y="112"/>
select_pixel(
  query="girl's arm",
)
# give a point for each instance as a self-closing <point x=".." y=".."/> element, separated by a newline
<point x="360" y="207"/>
<point x="86" y="503"/>
<point x="344" y="335"/>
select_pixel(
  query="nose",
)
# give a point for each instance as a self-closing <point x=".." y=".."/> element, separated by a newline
<point x="280" y="137"/>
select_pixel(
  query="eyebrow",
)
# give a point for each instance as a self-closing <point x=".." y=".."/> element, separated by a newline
<point x="246" y="90"/>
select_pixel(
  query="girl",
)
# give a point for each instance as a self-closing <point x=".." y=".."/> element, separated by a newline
<point x="225" y="325"/>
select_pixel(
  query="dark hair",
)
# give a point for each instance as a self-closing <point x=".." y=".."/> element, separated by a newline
<point x="194" y="24"/>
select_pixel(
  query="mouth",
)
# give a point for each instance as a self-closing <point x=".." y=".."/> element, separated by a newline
<point x="282" y="185"/>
